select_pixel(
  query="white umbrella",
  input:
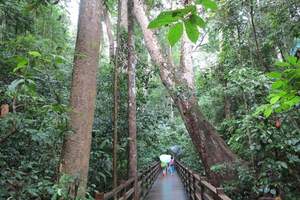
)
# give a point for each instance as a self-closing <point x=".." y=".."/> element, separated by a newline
<point x="165" y="158"/>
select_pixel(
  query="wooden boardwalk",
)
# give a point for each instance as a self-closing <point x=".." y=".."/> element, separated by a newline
<point x="167" y="188"/>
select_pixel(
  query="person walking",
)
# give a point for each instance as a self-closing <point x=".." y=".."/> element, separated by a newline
<point x="172" y="166"/>
<point x="164" y="167"/>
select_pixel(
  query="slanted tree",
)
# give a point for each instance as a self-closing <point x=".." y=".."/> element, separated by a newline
<point x="76" y="147"/>
<point x="179" y="82"/>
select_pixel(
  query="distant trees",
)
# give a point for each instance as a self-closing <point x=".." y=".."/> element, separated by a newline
<point x="76" y="148"/>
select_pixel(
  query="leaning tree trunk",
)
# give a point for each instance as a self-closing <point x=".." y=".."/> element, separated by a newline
<point x="76" y="148"/>
<point x="210" y="146"/>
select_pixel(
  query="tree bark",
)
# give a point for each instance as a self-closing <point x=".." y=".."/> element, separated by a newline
<point x="210" y="146"/>
<point x="76" y="147"/>
<point x="132" y="172"/>
<point x="116" y="101"/>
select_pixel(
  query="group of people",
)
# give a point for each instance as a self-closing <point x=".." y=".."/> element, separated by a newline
<point x="168" y="167"/>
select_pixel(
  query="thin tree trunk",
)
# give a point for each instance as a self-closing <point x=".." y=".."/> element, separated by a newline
<point x="210" y="146"/>
<point x="76" y="147"/>
<point x="227" y="106"/>
<point x="132" y="172"/>
<point x="258" y="53"/>
<point x="116" y="102"/>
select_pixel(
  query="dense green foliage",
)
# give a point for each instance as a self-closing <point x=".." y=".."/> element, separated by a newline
<point x="269" y="145"/>
<point x="34" y="81"/>
<point x="256" y="112"/>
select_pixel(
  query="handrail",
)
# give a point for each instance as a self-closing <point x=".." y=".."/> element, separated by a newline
<point x="197" y="187"/>
<point x="124" y="191"/>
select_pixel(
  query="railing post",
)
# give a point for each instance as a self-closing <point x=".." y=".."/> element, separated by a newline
<point x="202" y="188"/>
<point x="99" y="196"/>
<point x="191" y="183"/>
<point x="202" y="191"/>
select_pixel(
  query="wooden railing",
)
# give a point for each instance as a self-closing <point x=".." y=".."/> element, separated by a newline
<point x="125" y="190"/>
<point x="197" y="187"/>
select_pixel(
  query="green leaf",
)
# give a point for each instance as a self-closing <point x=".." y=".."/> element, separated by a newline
<point x="292" y="60"/>
<point x="277" y="84"/>
<point x="268" y="111"/>
<point x="175" y="33"/>
<point x="168" y="17"/>
<point x="191" y="30"/>
<point x="282" y="64"/>
<point x="22" y="63"/>
<point x="274" y="75"/>
<point x="259" y="110"/>
<point x="163" y="19"/>
<point x="34" y="53"/>
<point x="208" y="4"/>
<point x="198" y="20"/>
<point x="293" y="101"/>
<point x="274" y="99"/>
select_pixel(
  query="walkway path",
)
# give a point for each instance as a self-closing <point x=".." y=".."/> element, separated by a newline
<point x="167" y="188"/>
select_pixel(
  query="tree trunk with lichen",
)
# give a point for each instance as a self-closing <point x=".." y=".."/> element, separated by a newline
<point x="76" y="147"/>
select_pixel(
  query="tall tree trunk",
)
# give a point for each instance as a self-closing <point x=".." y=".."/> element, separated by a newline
<point x="132" y="172"/>
<point x="76" y="148"/>
<point x="119" y="63"/>
<point x="115" y="120"/>
<point x="210" y="146"/>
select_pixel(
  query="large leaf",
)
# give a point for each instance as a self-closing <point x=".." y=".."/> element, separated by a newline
<point x="198" y="20"/>
<point x="175" y="33"/>
<point x="163" y="19"/>
<point x="168" y="17"/>
<point x="191" y="30"/>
